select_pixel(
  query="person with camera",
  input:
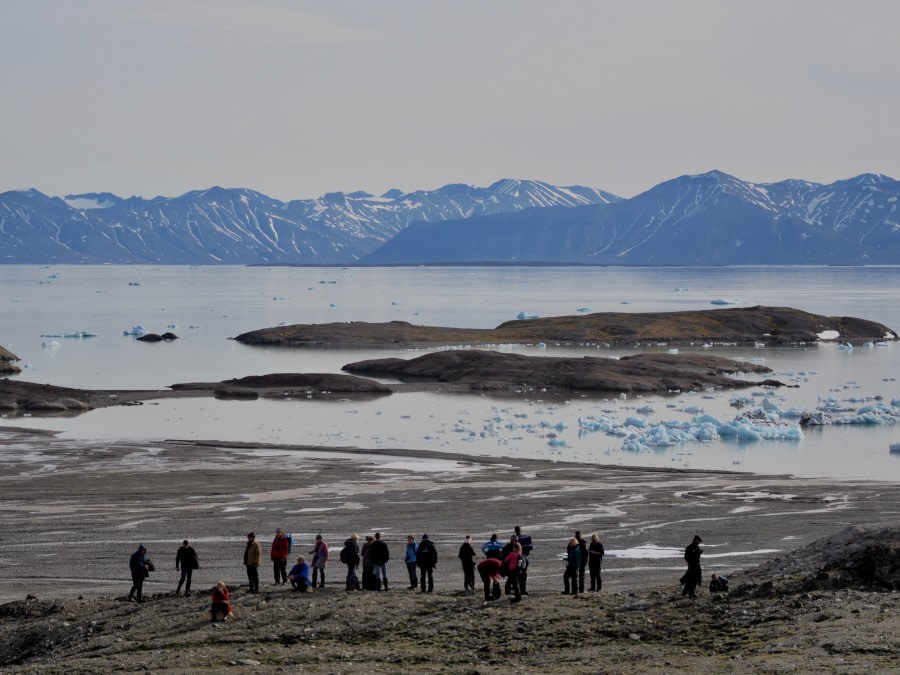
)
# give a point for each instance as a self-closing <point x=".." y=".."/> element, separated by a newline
<point x="140" y="566"/>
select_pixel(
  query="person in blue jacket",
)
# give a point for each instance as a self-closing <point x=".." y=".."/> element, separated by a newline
<point x="299" y="576"/>
<point x="492" y="548"/>
<point x="573" y="565"/>
<point x="412" y="550"/>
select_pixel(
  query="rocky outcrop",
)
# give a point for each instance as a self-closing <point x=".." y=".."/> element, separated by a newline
<point x="770" y="325"/>
<point x="241" y="387"/>
<point x="156" y="337"/>
<point x="6" y="362"/>
<point x="642" y="373"/>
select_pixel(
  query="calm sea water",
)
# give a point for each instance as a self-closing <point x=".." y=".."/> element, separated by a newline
<point x="208" y="305"/>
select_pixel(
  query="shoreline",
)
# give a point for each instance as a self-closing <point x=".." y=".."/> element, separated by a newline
<point x="83" y="495"/>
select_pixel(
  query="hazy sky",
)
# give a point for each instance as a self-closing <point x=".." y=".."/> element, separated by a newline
<point x="296" y="98"/>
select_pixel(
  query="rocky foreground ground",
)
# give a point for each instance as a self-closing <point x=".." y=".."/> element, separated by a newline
<point x="830" y="607"/>
<point x="72" y="513"/>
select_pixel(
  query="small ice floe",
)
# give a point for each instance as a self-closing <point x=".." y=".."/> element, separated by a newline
<point x="583" y="310"/>
<point x="845" y="347"/>
<point x="526" y="315"/>
<point x="625" y="302"/>
<point x="133" y="283"/>
<point x="136" y="331"/>
<point x="53" y="276"/>
<point x="278" y="297"/>
<point x="395" y="303"/>
<point x="327" y="281"/>
<point x="828" y="335"/>
<point x="50" y="343"/>
<point x="681" y="289"/>
<point x="70" y="334"/>
<point x="172" y="326"/>
<point x="895" y="448"/>
<point x="674" y="350"/>
<point x="868" y="345"/>
<point x="722" y="301"/>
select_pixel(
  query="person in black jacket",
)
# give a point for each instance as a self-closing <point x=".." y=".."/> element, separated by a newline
<point x="527" y="548"/>
<point x="467" y="557"/>
<point x="138" y="564"/>
<point x="426" y="559"/>
<point x="186" y="559"/>
<point x="595" y="560"/>
<point x="350" y="557"/>
<point x="583" y="552"/>
<point x="692" y="576"/>
<point x="380" y="556"/>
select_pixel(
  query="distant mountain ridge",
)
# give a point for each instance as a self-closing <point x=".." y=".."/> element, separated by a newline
<point x="241" y="226"/>
<point x="710" y="218"/>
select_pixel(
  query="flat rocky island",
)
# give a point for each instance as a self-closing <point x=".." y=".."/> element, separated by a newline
<point x="770" y="325"/>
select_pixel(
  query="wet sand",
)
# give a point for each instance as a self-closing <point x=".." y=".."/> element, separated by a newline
<point x="71" y="513"/>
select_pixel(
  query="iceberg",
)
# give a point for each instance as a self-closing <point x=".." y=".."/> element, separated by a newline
<point x="723" y="301"/>
<point x="136" y="331"/>
<point x="70" y="334"/>
<point x="526" y="315"/>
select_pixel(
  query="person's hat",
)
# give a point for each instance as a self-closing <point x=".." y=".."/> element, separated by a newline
<point x="251" y="536"/>
<point x="424" y="536"/>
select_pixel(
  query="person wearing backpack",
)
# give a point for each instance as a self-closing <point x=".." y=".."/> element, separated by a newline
<point x="412" y="550"/>
<point x="426" y="559"/>
<point x="513" y="563"/>
<point x="350" y="557"/>
<point x="186" y="559"/>
<point x="319" y="555"/>
<point x="467" y="557"/>
<point x="380" y="557"/>
<point x="280" y="550"/>
<point x="527" y="548"/>
<point x="493" y="548"/>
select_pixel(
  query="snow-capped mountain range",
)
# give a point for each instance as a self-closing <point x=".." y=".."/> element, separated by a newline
<point x="241" y="226"/>
<point x="710" y="218"/>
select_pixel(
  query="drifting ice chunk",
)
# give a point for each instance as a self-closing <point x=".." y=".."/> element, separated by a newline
<point x="583" y="310"/>
<point x="895" y="448"/>
<point x="136" y="331"/>
<point x="526" y="315"/>
<point x="845" y="347"/>
<point x="70" y="334"/>
<point x="723" y="301"/>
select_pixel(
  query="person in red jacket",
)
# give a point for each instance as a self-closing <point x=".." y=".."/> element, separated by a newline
<point x="512" y="564"/>
<point x="489" y="571"/>
<point x="281" y="549"/>
<point x="221" y="603"/>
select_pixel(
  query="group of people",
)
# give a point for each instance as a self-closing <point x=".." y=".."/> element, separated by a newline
<point x="509" y="560"/>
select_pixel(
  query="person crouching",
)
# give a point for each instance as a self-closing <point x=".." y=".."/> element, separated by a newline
<point x="221" y="603"/>
<point x="299" y="576"/>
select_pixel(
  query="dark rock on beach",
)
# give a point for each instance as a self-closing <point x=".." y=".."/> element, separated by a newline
<point x="771" y="325"/>
<point x="43" y="398"/>
<point x="641" y="373"/>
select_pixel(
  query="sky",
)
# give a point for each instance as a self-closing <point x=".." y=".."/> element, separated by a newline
<point x="296" y="98"/>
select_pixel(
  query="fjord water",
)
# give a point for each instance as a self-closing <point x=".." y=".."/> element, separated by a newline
<point x="208" y="305"/>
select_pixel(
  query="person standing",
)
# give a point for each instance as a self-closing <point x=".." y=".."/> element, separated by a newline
<point x="595" y="560"/>
<point x="319" y="561"/>
<point x="186" y="559"/>
<point x="368" y="567"/>
<point x="138" y="564"/>
<point x="281" y="549"/>
<point x="252" y="559"/>
<point x="692" y="576"/>
<point x="467" y="557"/>
<point x="513" y="562"/>
<point x="573" y="565"/>
<point x="221" y="603"/>
<point x="583" y="556"/>
<point x="527" y="548"/>
<point x="350" y="557"/>
<point x="426" y="559"/>
<point x="492" y="548"/>
<point x="380" y="556"/>
<point x="299" y="576"/>
<point x="489" y="571"/>
<point x="412" y="550"/>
